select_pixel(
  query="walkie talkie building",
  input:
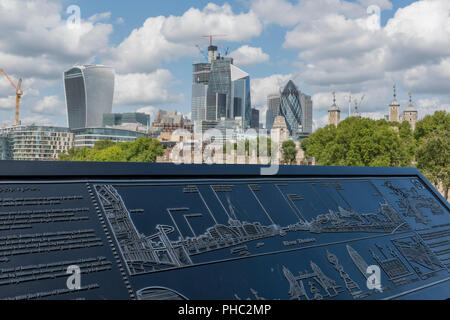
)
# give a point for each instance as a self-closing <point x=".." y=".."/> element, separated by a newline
<point x="89" y="91"/>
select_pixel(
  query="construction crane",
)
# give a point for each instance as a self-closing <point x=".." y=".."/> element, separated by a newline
<point x="19" y="94"/>
<point x="211" y="36"/>
<point x="202" y="52"/>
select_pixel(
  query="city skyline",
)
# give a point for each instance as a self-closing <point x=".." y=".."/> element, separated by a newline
<point x="152" y="52"/>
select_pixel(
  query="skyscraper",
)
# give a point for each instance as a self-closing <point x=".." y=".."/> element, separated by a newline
<point x="220" y="90"/>
<point x="273" y="109"/>
<point x="296" y="108"/>
<point x="89" y="91"/>
<point x="255" y="119"/>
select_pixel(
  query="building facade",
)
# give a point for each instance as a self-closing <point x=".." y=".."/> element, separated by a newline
<point x="394" y="108"/>
<point x="34" y="142"/>
<point x="334" y="113"/>
<point x="87" y="137"/>
<point x="255" y="119"/>
<point x="89" y="91"/>
<point x="118" y="119"/>
<point x="273" y="109"/>
<point x="220" y="91"/>
<point x="410" y="114"/>
<point x="296" y="108"/>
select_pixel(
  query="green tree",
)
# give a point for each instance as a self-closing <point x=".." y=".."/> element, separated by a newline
<point x="289" y="151"/>
<point x="439" y="120"/>
<point x="433" y="149"/>
<point x="140" y="150"/>
<point x="361" y="142"/>
<point x="433" y="156"/>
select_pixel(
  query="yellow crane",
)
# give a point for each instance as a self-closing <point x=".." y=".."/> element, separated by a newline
<point x="19" y="94"/>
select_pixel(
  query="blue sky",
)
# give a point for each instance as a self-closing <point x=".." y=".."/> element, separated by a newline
<point x="324" y="45"/>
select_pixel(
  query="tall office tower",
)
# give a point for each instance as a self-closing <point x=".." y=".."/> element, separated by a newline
<point x="200" y="80"/>
<point x="240" y="90"/>
<point x="410" y="114"/>
<point x="273" y="109"/>
<point x="89" y="91"/>
<point x="216" y="106"/>
<point x="394" y="108"/>
<point x="307" y="108"/>
<point x="220" y="90"/>
<point x="255" y="119"/>
<point x="296" y="108"/>
<point x="334" y="114"/>
<point x="220" y="81"/>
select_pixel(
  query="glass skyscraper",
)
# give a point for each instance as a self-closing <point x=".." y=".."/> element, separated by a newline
<point x="273" y="109"/>
<point x="296" y="108"/>
<point x="89" y="91"/>
<point x="220" y="91"/>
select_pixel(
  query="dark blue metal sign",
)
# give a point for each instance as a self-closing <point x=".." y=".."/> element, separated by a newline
<point x="150" y="231"/>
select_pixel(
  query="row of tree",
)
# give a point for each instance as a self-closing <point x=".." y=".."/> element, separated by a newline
<point x="140" y="150"/>
<point x="366" y="142"/>
<point x="354" y="142"/>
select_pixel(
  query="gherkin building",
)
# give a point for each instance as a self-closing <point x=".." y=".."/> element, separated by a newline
<point x="291" y="109"/>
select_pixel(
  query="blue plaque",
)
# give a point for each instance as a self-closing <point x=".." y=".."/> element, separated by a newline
<point x="168" y="232"/>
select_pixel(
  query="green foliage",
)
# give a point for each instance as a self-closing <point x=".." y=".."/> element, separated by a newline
<point x="361" y="142"/>
<point x="433" y="156"/>
<point x="289" y="151"/>
<point x="433" y="148"/>
<point x="439" y="120"/>
<point x="365" y="142"/>
<point x="140" y="150"/>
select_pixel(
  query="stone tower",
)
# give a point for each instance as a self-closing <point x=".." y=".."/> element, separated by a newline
<point x="334" y="114"/>
<point x="410" y="114"/>
<point x="394" y="108"/>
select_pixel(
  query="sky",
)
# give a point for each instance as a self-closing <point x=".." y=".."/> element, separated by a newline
<point x="323" y="45"/>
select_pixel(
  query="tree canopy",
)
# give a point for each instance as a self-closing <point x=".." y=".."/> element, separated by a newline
<point x="140" y="150"/>
<point x="366" y="142"/>
<point x="289" y="151"/>
<point x="362" y="142"/>
<point x="433" y="152"/>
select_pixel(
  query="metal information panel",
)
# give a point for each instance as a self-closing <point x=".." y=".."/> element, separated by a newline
<point x="149" y="231"/>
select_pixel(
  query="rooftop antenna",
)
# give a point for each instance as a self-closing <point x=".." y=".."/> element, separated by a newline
<point x="212" y="49"/>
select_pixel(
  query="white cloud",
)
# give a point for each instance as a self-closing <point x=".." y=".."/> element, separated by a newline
<point x="285" y="13"/>
<point x="50" y="105"/>
<point x="430" y="105"/>
<point x="150" y="110"/>
<point x="36" y="40"/>
<point x="99" y="17"/>
<point x="213" y="18"/>
<point x="145" y="88"/>
<point x="8" y="103"/>
<point x="261" y="87"/>
<point x="319" y="122"/>
<point x="165" y="39"/>
<point x="37" y="120"/>
<point x="247" y="55"/>
<point x="120" y="20"/>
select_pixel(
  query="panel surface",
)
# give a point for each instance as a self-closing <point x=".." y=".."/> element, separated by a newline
<point x="223" y="236"/>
